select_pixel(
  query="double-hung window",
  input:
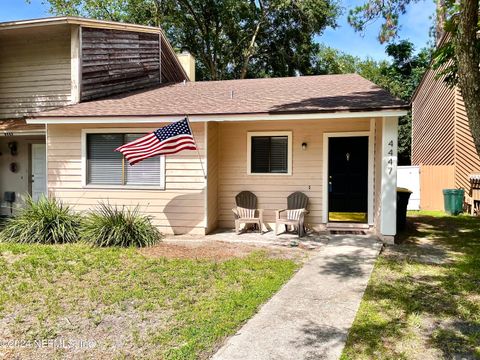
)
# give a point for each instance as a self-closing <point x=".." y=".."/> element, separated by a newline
<point x="270" y="153"/>
<point x="105" y="166"/>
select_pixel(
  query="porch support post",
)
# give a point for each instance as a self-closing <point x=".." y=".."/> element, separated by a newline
<point x="388" y="209"/>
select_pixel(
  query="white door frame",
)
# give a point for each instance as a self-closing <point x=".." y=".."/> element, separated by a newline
<point x="32" y="159"/>
<point x="371" y="160"/>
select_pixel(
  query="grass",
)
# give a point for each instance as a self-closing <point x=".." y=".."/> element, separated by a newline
<point x="127" y="305"/>
<point x="423" y="299"/>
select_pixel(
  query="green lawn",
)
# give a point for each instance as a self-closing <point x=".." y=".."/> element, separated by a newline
<point x="124" y="305"/>
<point x="423" y="299"/>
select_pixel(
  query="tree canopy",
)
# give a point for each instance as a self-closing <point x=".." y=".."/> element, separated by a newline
<point x="229" y="38"/>
<point x="457" y="56"/>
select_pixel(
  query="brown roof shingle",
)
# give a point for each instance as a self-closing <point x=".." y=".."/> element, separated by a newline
<point x="304" y="94"/>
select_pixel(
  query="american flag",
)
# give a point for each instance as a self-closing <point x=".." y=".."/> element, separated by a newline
<point x="167" y="140"/>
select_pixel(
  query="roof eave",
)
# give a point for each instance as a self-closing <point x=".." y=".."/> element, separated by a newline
<point x="116" y="119"/>
<point x="59" y="20"/>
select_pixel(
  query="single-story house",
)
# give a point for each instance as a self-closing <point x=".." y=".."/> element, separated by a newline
<point x="333" y="137"/>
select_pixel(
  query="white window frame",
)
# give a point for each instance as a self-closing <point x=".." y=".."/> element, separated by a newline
<point x="251" y="134"/>
<point x="85" y="132"/>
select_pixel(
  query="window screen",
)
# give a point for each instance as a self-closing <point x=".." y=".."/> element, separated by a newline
<point x="269" y="154"/>
<point x="105" y="166"/>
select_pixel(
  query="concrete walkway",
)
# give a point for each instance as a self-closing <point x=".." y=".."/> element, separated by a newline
<point x="310" y="316"/>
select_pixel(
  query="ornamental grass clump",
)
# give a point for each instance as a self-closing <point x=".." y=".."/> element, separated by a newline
<point x="119" y="226"/>
<point x="46" y="221"/>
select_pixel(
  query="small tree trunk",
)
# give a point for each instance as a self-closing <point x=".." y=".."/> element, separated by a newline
<point x="249" y="51"/>
<point x="467" y="53"/>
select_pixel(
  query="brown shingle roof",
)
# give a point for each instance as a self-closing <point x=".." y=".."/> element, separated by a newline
<point x="326" y="93"/>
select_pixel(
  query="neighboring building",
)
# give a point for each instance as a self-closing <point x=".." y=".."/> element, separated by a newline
<point x="332" y="137"/>
<point x="441" y="139"/>
<point x="53" y="62"/>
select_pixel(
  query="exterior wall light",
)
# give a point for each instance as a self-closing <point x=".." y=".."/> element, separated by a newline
<point x="304" y="146"/>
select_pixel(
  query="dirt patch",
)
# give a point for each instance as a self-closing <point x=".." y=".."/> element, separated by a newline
<point x="218" y="250"/>
<point x="11" y="258"/>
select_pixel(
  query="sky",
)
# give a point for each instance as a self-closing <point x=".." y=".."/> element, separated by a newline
<point x="415" y="26"/>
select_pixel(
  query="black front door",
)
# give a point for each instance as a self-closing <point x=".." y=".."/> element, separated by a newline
<point x="348" y="179"/>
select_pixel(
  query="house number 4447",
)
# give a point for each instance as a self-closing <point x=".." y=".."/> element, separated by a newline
<point x="390" y="157"/>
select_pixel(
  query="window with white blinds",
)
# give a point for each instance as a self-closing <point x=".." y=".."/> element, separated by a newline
<point x="105" y="166"/>
<point x="269" y="153"/>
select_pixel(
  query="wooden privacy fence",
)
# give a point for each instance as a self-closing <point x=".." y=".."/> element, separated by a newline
<point x="433" y="179"/>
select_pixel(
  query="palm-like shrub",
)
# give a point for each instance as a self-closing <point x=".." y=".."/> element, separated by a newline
<point x="46" y="221"/>
<point x="119" y="226"/>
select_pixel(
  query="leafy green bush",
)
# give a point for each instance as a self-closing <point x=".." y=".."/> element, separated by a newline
<point x="119" y="226"/>
<point x="46" y="221"/>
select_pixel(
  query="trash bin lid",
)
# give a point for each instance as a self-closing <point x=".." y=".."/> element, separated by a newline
<point x="400" y="189"/>
<point x="453" y="191"/>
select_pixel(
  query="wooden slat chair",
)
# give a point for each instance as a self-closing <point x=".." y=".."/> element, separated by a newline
<point x="470" y="205"/>
<point x="472" y="199"/>
<point x="246" y="211"/>
<point x="295" y="213"/>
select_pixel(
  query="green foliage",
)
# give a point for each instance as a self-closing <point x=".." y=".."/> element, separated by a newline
<point x="457" y="58"/>
<point x="113" y="226"/>
<point x="46" y="221"/>
<point x="400" y="77"/>
<point x="229" y="38"/>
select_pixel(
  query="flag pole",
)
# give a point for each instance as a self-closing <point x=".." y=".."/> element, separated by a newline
<point x="198" y="151"/>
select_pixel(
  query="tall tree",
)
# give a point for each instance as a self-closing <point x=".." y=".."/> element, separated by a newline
<point x="230" y="38"/>
<point x="458" y="54"/>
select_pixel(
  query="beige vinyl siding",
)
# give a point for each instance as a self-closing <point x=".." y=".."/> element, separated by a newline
<point x="34" y="71"/>
<point x="272" y="190"/>
<point x="180" y="208"/>
<point x="467" y="160"/>
<point x="433" y="127"/>
<point x="212" y="177"/>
